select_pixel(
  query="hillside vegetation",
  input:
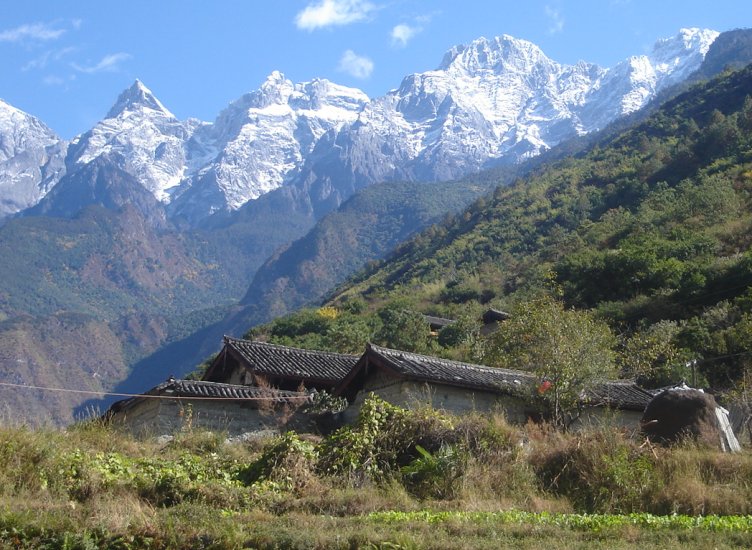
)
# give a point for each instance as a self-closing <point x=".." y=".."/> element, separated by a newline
<point x="650" y="230"/>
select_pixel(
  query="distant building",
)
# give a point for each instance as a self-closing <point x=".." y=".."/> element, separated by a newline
<point x="177" y="405"/>
<point x="491" y="319"/>
<point x="248" y="362"/>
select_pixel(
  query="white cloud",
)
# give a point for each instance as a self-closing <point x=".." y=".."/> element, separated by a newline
<point x="555" y="20"/>
<point x="355" y="65"/>
<point x="38" y="32"/>
<point x="46" y="58"/>
<point x="402" y="33"/>
<point x="108" y="63"/>
<point x="52" y="80"/>
<point x="327" y="13"/>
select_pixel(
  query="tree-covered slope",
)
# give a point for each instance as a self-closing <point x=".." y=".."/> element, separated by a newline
<point x="651" y="228"/>
<point x="83" y="298"/>
<point x="363" y="229"/>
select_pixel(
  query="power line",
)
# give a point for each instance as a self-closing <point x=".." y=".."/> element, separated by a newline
<point x="147" y="396"/>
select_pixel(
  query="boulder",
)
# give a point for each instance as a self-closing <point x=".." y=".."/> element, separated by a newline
<point x="676" y="414"/>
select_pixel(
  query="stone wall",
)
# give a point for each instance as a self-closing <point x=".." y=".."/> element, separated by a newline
<point x="411" y="394"/>
<point x="154" y="417"/>
<point x="598" y="417"/>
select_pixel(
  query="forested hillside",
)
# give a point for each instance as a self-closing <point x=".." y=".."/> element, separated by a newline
<point x="649" y="230"/>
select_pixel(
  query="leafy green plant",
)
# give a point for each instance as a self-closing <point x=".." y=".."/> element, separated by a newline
<point x="435" y="475"/>
<point x="287" y="461"/>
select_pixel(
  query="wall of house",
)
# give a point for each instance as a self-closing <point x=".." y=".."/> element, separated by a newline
<point x="598" y="417"/>
<point x="238" y="376"/>
<point x="410" y="394"/>
<point x="154" y="417"/>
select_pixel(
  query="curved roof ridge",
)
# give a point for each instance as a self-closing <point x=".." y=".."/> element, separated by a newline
<point x="451" y="362"/>
<point x="281" y="347"/>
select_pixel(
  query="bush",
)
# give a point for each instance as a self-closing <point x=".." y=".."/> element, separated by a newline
<point x="599" y="472"/>
<point x="382" y="440"/>
<point x="435" y="475"/>
<point x="288" y="461"/>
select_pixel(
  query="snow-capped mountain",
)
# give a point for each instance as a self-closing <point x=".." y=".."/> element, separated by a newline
<point x="490" y="101"/>
<point x="31" y="159"/>
<point x="260" y="141"/>
<point x="145" y="137"/>
<point x="493" y="100"/>
<point x="631" y="84"/>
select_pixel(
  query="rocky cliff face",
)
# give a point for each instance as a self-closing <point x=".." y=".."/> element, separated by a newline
<point x="31" y="159"/>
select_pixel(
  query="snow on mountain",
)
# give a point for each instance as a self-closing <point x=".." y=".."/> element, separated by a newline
<point x="146" y="138"/>
<point x="31" y="159"/>
<point x="493" y="100"/>
<point x="631" y="84"/>
<point x="261" y="140"/>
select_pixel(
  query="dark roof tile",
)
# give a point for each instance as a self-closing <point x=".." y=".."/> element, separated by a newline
<point x="275" y="360"/>
<point x="212" y="390"/>
<point x="435" y="369"/>
<point x="619" y="394"/>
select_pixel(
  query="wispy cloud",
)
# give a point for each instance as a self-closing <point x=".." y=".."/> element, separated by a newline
<point x="329" y="13"/>
<point x="52" y="80"/>
<point x="109" y="63"/>
<point x="402" y="33"/>
<point x="50" y="56"/>
<point x="355" y="65"/>
<point x="555" y="20"/>
<point x="32" y="32"/>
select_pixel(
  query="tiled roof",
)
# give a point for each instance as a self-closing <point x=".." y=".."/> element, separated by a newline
<point x="494" y="315"/>
<point x="200" y="388"/>
<point x="437" y="323"/>
<point x="434" y="369"/>
<point x="213" y="390"/>
<point x="619" y="394"/>
<point x="274" y="360"/>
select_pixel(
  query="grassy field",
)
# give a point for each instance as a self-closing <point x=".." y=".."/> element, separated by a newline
<point x="396" y="479"/>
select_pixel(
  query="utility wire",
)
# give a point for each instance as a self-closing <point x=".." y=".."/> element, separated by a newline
<point x="148" y="396"/>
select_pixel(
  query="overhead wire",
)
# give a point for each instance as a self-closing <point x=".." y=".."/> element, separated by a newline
<point x="146" y="395"/>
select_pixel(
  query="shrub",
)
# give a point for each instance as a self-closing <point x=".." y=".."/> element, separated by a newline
<point x="598" y="472"/>
<point x="382" y="440"/>
<point x="288" y="461"/>
<point x="435" y="475"/>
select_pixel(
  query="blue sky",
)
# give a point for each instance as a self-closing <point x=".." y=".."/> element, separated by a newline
<point x="66" y="62"/>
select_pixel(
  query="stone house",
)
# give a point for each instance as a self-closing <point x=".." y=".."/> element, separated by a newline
<point x="177" y="405"/>
<point x="252" y="363"/>
<point x="406" y="379"/>
<point x="409" y="379"/>
<point x="250" y="387"/>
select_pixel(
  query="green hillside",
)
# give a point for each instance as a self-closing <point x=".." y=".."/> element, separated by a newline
<point x="650" y="230"/>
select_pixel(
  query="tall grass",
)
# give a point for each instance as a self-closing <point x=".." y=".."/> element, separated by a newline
<point x="197" y="489"/>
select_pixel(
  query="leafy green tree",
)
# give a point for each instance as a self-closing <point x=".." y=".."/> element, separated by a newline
<point x="567" y="349"/>
<point x="349" y="333"/>
<point x="403" y="329"/>
<point x="652" y="357"/>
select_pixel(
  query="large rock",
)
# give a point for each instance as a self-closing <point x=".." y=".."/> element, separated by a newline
<point x="676" y="414"/>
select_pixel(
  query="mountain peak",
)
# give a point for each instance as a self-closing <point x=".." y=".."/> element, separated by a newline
<point x="495" y="54"/>
<point x="137" y="97"/>
<point x="687" y="40"/>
